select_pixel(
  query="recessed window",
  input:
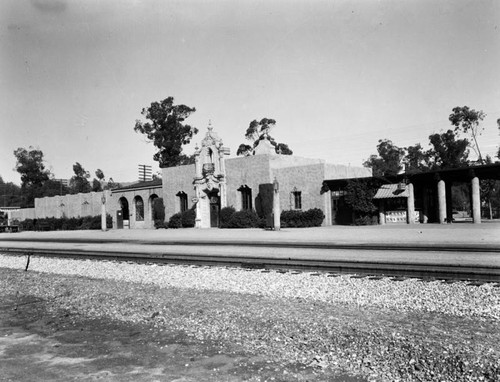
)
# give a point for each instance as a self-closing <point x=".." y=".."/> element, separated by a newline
<point x="246" y="197"/>
<point x="297" y="199"/>
<point x="139" y="209"/>
<point x="183" y="201"/>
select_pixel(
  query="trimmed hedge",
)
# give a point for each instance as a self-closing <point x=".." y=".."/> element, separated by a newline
<point x="230" y="218"/>
<point x="225" y="216"/>
<point x="175" y="221"/>
<point x="186" y="219"/>
<point x="65" y="224"/>
<point x="244" y="219"/>
<point x="296" y="218"/>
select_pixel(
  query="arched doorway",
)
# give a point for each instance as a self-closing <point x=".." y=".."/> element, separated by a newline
<point x="122" y="215"/>
<point x="214" y="201"/>
<point x="155" y="209"/>
<point x="139" y="209"/>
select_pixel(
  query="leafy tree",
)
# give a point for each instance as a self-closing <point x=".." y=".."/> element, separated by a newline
<point x="79" y="182"/>
<point x="54" y="187"/>
<point x="283" y="149"/>
<point x="258" y="131"/>
<point x="244" y="149"/>
<point x="165" y="127"/>
<point x="99" y="174"/>
<point x="447" y="151"/>
<point x="111" y="184"/>
<point x="488" y="189"/>
<point x="10" y="194"/>
<point x="158" y="209"/>
<point x="29" y="163"/>
<point x="96" y="185"/>
<point x="416" y="159"/>
<point x="460" y="196"/>
<point x="359" y="195"/>
<point x="389" y="159"/>
<point x="186" y="159"/>
<point x="468" y="121"/>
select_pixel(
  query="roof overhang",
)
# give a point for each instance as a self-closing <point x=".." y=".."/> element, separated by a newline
<point x="462" y="174"/>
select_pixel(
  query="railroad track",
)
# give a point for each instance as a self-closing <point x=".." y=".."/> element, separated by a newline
<point x="363" y="266"/>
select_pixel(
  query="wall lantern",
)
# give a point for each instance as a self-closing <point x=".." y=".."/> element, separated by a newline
<point x="276" y="185"/>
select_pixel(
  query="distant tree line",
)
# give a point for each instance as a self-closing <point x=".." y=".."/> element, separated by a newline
<point x="449" y="149"/>
<point x="37" y="181"/>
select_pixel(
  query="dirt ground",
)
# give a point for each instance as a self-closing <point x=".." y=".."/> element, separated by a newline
<point x="38" y="345"/>
<point x="72" y="328"/>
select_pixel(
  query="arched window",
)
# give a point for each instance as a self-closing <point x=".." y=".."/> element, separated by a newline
<point x="246" y="197"/>
<point x="139" y="209"/>
<point x="183" y="201"/>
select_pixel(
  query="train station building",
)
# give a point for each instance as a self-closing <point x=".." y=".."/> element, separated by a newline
<point x="248" y="183"/>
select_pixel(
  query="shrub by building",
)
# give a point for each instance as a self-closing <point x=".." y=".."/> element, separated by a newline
<point x="65" y="224"/>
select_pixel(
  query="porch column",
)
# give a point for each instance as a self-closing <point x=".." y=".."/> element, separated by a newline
<point x="327" y="205"/>
<point x="411" y="204"/>
<point x="476" y="201"/>
<point x="442" y="201"/>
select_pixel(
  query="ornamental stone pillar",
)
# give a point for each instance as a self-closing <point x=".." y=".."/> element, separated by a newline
<point x="210" y="178"/>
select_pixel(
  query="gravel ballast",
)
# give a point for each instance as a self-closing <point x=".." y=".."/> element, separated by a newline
<point x="379" y="329"/>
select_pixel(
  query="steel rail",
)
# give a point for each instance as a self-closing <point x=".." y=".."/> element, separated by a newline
<point x="373" y="268"/>
<point x="421" y="247"/>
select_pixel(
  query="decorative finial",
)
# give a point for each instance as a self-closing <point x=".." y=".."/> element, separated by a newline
<point x="210" y="128"/>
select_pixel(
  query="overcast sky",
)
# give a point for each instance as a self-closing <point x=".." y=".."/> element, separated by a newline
<point x="337" y="76"/>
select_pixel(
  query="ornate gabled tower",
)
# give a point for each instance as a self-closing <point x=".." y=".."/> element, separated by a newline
<point x="210" y="179"/>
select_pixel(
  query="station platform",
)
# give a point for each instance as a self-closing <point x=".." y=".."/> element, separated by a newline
<point x="486" y="235"/>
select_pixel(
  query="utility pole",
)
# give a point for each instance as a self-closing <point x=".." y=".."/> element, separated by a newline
<point x="145" y="173"/>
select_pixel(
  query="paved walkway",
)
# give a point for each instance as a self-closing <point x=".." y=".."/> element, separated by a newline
<point x="410" y="245"/>
<point x="458" y="234"/>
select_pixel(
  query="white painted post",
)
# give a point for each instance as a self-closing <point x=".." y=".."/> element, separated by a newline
<point x="442" y="201"/>
<point x="476" y="201"/>
<point x="411" y="204"/>
<point x="327" y="204"/>
<point x="103" y="212"/>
